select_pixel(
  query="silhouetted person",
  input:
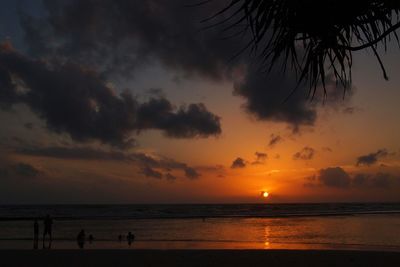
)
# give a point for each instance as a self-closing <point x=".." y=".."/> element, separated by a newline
<point x="80" y="239"/>
<point x="130" y="237"/>
<point x="47" y="223"/>
<point x="35" y="234"/>
<point x="120" y="238"/>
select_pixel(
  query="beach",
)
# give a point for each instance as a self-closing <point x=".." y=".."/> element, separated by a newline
<point x="350" y="235"/>
<point x="176" y="227"/>
<point x="61" y="258"/>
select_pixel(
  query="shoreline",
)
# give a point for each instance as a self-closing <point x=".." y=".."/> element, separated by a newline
<point x="272" y="216"/>
<point x="147" y="257"/>
<point x="104" y="245"/>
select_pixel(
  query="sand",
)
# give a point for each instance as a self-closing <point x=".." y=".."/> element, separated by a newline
<point x="164" y="258"/>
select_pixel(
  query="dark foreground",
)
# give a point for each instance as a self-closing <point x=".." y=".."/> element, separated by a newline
<point x="297" y="258"/>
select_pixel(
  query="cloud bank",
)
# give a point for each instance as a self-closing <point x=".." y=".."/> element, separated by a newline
<point x="120" y="36"/>
<point x="78" y="101"/>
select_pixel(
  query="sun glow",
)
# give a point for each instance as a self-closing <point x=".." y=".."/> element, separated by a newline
<point x="264" y="194"/>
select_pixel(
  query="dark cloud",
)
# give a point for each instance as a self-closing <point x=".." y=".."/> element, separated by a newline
<point x="150" y="172"/>
<point x="238" y="163"/>
<point x="218" y="170"/>
<point x="79" y="153"/>
<point x="20" y="169"/>
<point x="339" y="178"/>
<point x="306" y="153"/>
<point x="265" y="99"/>
<point x="152" y="164"/>
<point x="275" y="139"/>
<point x="188" y="122"/>
<point x="123" y="35"/>
<point x="334" y="177"/>
<point x="191" y="173"/>
<point x="260" y="158"/>
<point x="378" y="180"/>
<point x="371" y="158"/>
<point x="120" y="36"/>
<point x="170" y="177"/>
<point x="78" y="101"/>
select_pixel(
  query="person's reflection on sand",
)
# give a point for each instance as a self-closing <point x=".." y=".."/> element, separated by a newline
<point x="80" y="239"/>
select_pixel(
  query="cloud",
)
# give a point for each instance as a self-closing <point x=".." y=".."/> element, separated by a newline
<point x="79" y="102"/>
<point x="79" y="153"/>
<point x="265" y="99"/>
<point x="307" y="153"/>
<point x="378" y="180"/>
<point x="334" y="177"/>
<point x="153" y="164"/>
<point x="188" y="122"/>
<point x="19" y="169"/>
<point x="119" y="37"/>
<point x="191" y="173"/>
<point x="260" y="158"/>
<point x="275" y="139"/>
<point x="371" y="158"/>
<point x="339" y="178"/>
<point x="170" y="177"/>
<point x="150" y="172"/>
<point x="238" y="163"/>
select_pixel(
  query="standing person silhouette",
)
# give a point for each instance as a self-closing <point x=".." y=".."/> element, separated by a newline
<point x="35" y="234"/>
<point x="80" y="239"/>
<point x="47" y="223"/>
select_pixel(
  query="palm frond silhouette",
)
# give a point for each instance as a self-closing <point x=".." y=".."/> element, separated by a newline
<point x="314" y="37"/>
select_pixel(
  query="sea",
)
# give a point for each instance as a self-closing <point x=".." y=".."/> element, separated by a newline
<point x="354" y="226"/>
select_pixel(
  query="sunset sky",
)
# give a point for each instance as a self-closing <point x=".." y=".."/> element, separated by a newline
<point x="130" y="102"/>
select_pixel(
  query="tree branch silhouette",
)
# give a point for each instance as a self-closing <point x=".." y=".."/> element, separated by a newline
<point x="315" y="38"/>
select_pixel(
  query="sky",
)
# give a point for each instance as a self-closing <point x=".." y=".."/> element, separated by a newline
<point x="136" y="102"/>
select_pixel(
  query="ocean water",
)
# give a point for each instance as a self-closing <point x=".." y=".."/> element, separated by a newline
<point x="246" y="226"/>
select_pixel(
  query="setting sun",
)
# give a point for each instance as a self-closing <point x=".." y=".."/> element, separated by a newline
<point x="264" y="194"/>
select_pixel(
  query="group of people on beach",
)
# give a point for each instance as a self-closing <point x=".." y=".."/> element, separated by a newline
<point x="81" y="237"/>
<point x="130" y="238"/>
<point x="47" y="231"/>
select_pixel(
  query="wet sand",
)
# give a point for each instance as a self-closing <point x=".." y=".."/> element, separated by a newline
<point x="298" y="258"/>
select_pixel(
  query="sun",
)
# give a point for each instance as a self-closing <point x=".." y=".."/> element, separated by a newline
<point x="264" y="194"/>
